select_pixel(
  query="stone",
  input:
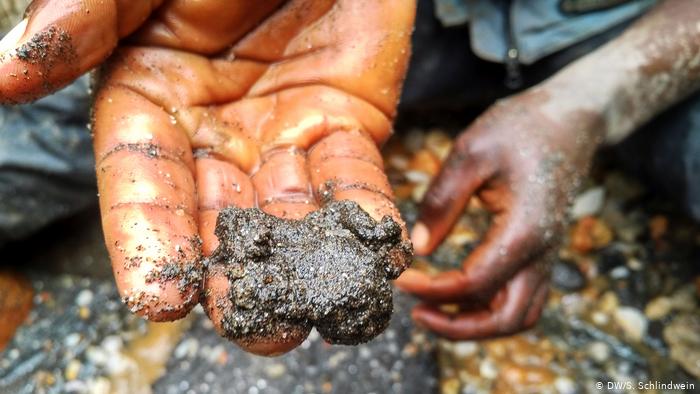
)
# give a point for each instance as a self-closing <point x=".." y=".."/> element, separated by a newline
<point x="590" y="234"/>
<point x="684" y="299"/>
<point x="419" y="192"/>
<point x="620" y="272"/>
<point x="632" y="322"/>
<point x="565" y="385"/>
<point x="275" y="371"/>
<point x="599" y="351"/>
<point x="426" y="162"/>
<point x="72" y="370"/>
<point x="439" y="143"/>
<point x="417" y="177"/>
<point x="600" y="318"/>
<point x="608" y="302"/>
<point x="567" y="276"/>
<point x="465" y="349"/>
<point x="683" y="336"/>
<point x="588" y="203"/>
<point x="658" y="308"/>
<point x="84" y="298"/>
<point x="488" y="370"/>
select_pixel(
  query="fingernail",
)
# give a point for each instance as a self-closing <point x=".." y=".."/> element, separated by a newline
<point x="420" y="236"/>
<point x="12" y="38"/>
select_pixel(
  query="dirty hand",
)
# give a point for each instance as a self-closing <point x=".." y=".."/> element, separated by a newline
<point x="206" y="104"/>
<point x="524" y="163"/>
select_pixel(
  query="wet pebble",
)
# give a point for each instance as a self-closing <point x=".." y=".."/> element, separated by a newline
<point x="608" y="302"/>
<point x="588" y="203"/>
<point x="599" y="318"/>
<point x="599" y="351"/>
<point x="635" y="264"/>
<point x="658" y="308"/>
<point x="567" y="276"/>
<point x="426" y="162"/>
<point x="683" y="336"/>
<point x="465" y="349"/>
<point x="565" y="385"/>
<point x="84" y="298"/>
<point x="632" y="322"/>
<point x="399" y="162"/>
<point x="619" y="272"/>
<point x="72" y="340"/>
<point x="488" y="370"/>
<point x="439" y="143"/>
<point x="419" y="192"/>
<point x="590" y="234"/>
<point x="187" y="348"/>
<point x="417" y="177"/>
<point x="684" y="299"/>
<point x="631" y="287"/>
<point x="72" y="370"/>
<point x="450" y="386"/>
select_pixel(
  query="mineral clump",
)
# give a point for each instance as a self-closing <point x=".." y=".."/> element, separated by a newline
<point x="330" y="270"/>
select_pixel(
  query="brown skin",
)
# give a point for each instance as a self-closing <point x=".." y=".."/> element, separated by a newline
<point x="526" y="156"/>
<point x="208" y="104"/>
<point x="520" y="162"/>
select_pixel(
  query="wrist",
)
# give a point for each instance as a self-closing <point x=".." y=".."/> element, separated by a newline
<point x="585" y="95"/>
<point x="576" y="120"/>
<point x="636" y="76"/>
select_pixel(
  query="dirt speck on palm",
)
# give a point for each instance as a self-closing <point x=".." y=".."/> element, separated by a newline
<point x="330" y="270"/>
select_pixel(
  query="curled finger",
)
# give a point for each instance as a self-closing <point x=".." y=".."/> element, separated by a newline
<point x="507" y="315"/>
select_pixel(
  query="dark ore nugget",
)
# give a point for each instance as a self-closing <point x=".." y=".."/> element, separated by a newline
<point x="330" y="270"/>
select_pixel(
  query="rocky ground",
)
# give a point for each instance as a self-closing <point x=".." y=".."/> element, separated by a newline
<point x="624" y="305"/>
<point x="624" y="308"/>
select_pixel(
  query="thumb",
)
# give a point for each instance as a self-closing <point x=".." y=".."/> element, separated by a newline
<point x="59" y="40"/>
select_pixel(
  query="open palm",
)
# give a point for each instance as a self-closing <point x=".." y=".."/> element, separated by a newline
<point x="206" y="104"/>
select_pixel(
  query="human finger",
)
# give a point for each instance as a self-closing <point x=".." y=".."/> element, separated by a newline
<point x="147" y="198"/>
<point x="282" y="189"/>
<point x="465" y="170"/>
<point x="220" y="184"/>
<point x="510" y="243"/>
<point x="60" y="40"/>
<point x="348" y="166"/>
<point x="505" y="317"/>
